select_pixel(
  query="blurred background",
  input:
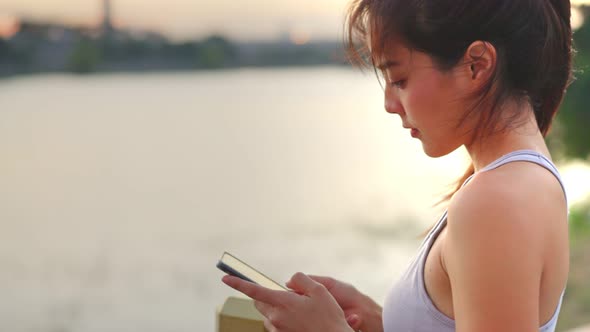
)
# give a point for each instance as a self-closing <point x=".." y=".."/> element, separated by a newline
<point x="139" y="140"/>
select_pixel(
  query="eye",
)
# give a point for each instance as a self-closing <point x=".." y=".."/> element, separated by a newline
<point x="400" y="84"/>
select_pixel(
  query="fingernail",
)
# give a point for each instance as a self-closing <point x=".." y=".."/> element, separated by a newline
<point x="353" y="319"/>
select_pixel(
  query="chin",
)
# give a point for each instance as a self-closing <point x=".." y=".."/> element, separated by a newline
<point x="437" y="151"/>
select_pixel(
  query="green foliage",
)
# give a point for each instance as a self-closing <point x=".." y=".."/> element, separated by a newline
<point x="18" y="58"/>
<point x="4" y="49"/>
<point x="216" y="52"/>
<point x="579" y="222"/>
<point x="573" y="122"/>
<point x="575" y="310"/>
<point x="85" y="58"/>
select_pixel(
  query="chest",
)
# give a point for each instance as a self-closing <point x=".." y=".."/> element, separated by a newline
<point x="436" y="280"/>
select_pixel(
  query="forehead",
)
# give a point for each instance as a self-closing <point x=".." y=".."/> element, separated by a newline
<point x="391" y="56"/>
<point x="390" y="53"/>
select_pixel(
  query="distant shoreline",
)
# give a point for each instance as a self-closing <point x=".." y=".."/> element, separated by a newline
<point x="46" y="48"/>
<point x="172" y="71"/>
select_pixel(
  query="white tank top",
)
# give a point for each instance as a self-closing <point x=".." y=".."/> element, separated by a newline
<point x="408" y="308"/>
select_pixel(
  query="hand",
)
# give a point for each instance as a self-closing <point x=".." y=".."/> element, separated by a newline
<point x="309" y="308"/>
<point x="362" y="313"/>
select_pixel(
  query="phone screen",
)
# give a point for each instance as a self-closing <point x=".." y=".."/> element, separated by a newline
<point x="232" y="265"/>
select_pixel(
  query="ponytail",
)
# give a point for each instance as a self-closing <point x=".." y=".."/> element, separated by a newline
<point x="556" y="62"/>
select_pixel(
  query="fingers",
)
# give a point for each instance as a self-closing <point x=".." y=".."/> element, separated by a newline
<point x="328" y="282"/>
<point x="268" y="326"/>
<point x="354" y="321"/>
<point x="264" y="308"/>
<point x="302" y="283"/>
<point x="257" y="292"/>
<point x="291" y="286"/>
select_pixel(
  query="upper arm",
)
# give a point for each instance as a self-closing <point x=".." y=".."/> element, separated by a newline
<point x="493" y="256"/>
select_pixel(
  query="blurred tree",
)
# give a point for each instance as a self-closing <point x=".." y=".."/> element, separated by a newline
<point x="4" y="50"/>
<point x="571" y="137"/>
<point x="216" y="52"/>
<point x="85" y="58"/>
<point x="575" y="310"/>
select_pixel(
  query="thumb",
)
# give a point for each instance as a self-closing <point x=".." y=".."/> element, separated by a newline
<point x="354" y="321"/>
<point x="302" y="284"/>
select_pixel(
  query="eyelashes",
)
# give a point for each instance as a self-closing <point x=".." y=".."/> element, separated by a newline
<point x="400" y="84"/>
<point x="387" y="78"/>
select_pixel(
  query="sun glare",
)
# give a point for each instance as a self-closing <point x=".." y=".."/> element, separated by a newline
<point x="299" y="37"/>
<point x="577" y="18"/>
<point x="576" y="178"/>
<point x="8" y="26"/>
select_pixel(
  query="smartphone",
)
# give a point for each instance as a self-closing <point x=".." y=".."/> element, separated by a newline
<point x="235" y="267"/>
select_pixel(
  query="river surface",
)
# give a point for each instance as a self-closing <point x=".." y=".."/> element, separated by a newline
<point x="118" y="193"/>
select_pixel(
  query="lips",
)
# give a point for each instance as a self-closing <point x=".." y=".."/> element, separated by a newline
<point x="413" y="131"/>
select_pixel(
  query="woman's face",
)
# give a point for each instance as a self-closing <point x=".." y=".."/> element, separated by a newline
<point x="429" y="101"/>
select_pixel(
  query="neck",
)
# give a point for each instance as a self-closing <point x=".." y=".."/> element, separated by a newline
<point x="484" y="150"/>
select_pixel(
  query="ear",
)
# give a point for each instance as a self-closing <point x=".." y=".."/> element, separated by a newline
<point x="482" y="58"/>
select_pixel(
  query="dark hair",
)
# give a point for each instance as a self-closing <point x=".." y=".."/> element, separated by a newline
<point x="532" y="38"/>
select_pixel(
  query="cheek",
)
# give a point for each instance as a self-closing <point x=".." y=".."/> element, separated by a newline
<point x="427" y="101"/>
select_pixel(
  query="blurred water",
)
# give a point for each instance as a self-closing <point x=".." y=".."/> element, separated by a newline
<point x="120" y="192"/>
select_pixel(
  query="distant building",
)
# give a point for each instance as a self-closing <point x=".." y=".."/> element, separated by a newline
<point x="107" y="20"/>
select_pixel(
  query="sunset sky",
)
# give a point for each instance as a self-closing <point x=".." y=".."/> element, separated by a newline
<point x="250" y="19"/>
<point x="180" y="19"/>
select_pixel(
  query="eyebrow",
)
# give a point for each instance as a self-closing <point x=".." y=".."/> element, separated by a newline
<point x="388" y="64"/>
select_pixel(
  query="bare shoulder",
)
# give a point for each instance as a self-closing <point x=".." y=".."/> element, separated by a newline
<point x="505" y="207"/>
<point x="499" y="226"/>
<point x="521" y="190"/>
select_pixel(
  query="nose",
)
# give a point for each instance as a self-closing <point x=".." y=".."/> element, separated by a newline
<point x="392" y="104"/>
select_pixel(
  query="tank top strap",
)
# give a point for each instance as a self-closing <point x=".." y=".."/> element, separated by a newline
<point x="437" y="227"/>
<point x="518" y="155"/>
<point x="528" y="156"/>
<point x="442" y="221"/>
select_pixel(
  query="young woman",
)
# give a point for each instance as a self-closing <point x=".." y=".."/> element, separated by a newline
<point x="487" y="75"/>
